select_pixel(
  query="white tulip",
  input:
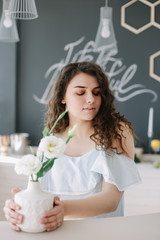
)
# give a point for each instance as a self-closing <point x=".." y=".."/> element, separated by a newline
<point x="72" y="131"/>
<point x="51" y="146"/>
<point x="27" y="165"/>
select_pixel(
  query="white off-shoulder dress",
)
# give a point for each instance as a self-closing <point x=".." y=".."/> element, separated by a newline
<point x="79" y="177"/>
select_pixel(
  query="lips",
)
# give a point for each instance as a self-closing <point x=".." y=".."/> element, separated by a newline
<point x="89" y="108"/>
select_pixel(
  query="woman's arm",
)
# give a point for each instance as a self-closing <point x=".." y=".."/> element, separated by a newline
<point x="101" y="203"/>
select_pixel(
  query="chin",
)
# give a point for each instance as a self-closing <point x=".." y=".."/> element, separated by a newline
<point x="89" y="118"/>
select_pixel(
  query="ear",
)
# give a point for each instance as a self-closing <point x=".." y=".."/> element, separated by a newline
<point x="63" y="101"/>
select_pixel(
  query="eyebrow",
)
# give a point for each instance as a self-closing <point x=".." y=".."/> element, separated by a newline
<point x="85" y="87"/>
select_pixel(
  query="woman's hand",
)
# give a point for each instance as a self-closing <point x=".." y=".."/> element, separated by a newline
<point x="10" y="212"/>
<point x="53" y="218"/>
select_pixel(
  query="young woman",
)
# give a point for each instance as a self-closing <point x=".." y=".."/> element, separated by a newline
<point x="98" y="165"/>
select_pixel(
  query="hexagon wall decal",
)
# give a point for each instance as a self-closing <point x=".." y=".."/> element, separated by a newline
<point x="155" y="5"/>
<point x="123" y="16"/>
<point x="151" y="66"/>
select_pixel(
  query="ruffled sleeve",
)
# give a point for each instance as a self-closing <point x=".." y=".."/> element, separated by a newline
<point x="117" y="169"/>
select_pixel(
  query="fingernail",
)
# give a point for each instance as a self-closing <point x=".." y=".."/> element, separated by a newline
<point x="17" y="207"/>
<point x="17" y="228"/>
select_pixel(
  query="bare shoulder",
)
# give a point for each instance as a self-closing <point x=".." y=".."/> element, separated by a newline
<point x="125" y="144"/>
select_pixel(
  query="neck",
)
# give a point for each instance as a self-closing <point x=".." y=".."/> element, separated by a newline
<point x="84" y="128"/>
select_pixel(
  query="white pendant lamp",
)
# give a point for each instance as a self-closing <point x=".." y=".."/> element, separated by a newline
<point x="105" y="34"/>
<point x="23" y="9"/>
<point x="8" y="28"/>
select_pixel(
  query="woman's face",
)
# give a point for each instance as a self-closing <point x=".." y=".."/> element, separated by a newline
<point x="82" y="97"/>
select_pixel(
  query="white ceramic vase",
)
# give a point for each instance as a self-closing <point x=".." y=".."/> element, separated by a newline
<point x="33" y="202"/>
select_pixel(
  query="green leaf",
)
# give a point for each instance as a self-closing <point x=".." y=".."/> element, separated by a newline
<point x="136" y="159"/>
<point x="45" y="132"/>
<point x="45" y="167"/>
<point x="32" y="151"/>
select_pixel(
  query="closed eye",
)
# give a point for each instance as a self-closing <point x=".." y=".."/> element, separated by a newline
<point x="96" y="93"/>
<point x="80" y="94"/>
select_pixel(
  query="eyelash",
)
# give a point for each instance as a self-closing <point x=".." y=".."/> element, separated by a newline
<point x="80" y="94"/>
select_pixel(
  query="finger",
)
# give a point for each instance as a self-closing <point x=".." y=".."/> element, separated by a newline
<point x="12" y="216"/>
<point x="52" y="218"/>
<point x="15" y="190"/>
<point x="53" y="225"/>
<point x="54" y="211"/>
<point x="56" y="198"/>
<point x="57" y="202"/>
<point x="48" y="219"/>
<point x="14" y="219"/>
<point x="12" y="205"/>
<point x="14" y="227"/>
<point x="9" y="210"/>
<point x="52" y="222"/>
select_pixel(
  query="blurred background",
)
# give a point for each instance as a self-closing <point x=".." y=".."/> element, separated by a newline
<point x="67" y="31"/>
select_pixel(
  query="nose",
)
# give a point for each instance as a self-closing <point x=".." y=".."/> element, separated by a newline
<point x="90" y="98"/>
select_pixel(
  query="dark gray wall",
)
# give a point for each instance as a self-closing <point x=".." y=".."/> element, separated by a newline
<point x="42" y="43"/>
<point x="7" y="87"/>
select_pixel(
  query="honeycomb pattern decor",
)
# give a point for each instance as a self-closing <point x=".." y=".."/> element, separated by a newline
<point x="151" y="66"/>
<point x="156" y="24"/>
<point x="145" y="26"/>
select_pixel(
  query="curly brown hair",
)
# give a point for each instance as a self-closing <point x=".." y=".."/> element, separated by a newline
<point x="107" y="124"/>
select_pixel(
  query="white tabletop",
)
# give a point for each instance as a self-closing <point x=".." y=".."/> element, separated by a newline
<point x="144" y="227"/>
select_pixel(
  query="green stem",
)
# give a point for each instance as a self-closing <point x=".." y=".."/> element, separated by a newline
<point x="32" y="177"/>
<point x="42" y="157"/>
<point x="61" y="116"/>
<point x="68" y="139"/>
